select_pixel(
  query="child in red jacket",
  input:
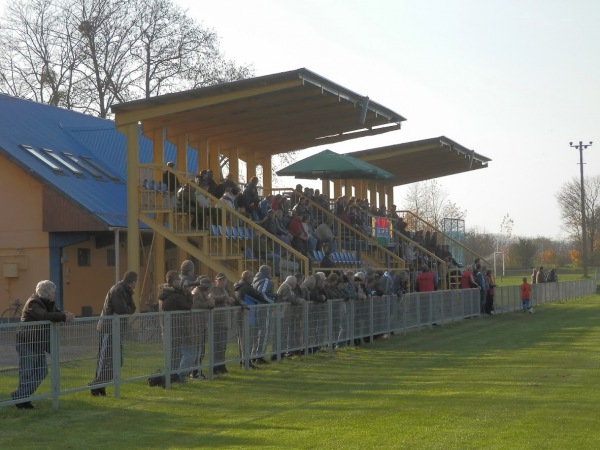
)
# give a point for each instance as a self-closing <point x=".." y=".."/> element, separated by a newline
<point x="525" y="295"/>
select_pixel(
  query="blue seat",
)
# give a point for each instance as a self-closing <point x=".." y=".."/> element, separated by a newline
<point x="214" y="231"/>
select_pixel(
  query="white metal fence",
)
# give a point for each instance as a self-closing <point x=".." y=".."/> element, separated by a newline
<point x="121" y="349"/>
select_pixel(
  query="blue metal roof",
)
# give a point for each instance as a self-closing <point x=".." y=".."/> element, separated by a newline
<point x="23" y="122"/>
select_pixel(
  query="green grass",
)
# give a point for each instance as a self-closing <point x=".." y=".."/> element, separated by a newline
<point x="514" y="381"/>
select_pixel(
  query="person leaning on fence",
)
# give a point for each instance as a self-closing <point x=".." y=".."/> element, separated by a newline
<point x="489" y="302"/>
<point x="426" y="281"/>
<point x="245" y="292"/>
<point x="174" y="299"/>
<point x="201" y="304"/>
<point x="285" y="295"/>
<point x="118" y="301"/>
<point x="33" y="341"/>
<point x="264" y="285"/>
<point x="480" y="280"/>
<point x="222" y="299"/>
<point x="540" y="277"/>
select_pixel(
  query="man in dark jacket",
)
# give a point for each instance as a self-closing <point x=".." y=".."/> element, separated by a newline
<point x="33" y="342"/>
<point x="173" y="298"/>
<point x="118" y="301"/>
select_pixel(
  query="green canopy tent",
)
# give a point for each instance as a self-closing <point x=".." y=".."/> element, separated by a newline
<point x="328" y="165"/>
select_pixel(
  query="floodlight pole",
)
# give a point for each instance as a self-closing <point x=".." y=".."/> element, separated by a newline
<point x="581" y="146"/>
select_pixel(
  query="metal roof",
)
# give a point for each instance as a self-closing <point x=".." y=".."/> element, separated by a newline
<point x="41" y="126"/>
<point x="423" y="160"/>
<point x="264" y="115"/>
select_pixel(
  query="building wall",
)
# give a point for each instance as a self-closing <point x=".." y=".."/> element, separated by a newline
<point x="86" y="286"/>
<point x="22" y="241"/>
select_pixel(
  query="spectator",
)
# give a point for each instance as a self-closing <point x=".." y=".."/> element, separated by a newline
<point x="201" y="304"/>
<point x="228" y="198"/>
<point x="245" y="292"/>
<point x="540" y="277"/>
<point x="479" y="277"/>
<point x="299" y="236"/>
<point x="118" y="301"/>
<point x="252" y="199"/>
<point x="325" y="236"/>
<point x="264" y="206"/>
<point x="525" y="295"/>
<point x="489" y="303"/>
<point x="222" y="299"/>
<point x="186" y="274"/>
<point x="276" y="203"/>
<point x="285" y="295"/>
<point x="327" y="263"/>
<point x="227" y="183"/>
<point x="426" y="281"/>
<point x="33" y="342"/>
<point x="263" y="284"/>
<point x="173" y="298"/>
<point x="534" y="275"/>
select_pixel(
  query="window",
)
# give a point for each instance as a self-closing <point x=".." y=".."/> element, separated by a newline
<point x="56" y="157"/>
<point x="110" y="257"/>
<point x="84" y="257"/>
<point x="99" y="168"/>
<point x="89" y="169"/>
<point x="43" y="159"/>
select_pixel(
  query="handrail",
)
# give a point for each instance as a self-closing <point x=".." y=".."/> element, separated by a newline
<point x="454" y="241"/>
<point x="344" y="227"/>
<point x="442" y="266"/>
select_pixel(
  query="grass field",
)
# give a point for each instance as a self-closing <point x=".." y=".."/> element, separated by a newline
<point x="514" y="381"/>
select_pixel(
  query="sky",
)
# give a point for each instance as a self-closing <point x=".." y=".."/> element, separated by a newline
<point x="515" y="80"/>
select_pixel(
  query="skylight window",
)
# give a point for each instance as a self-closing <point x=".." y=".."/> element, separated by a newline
<point x="89" y="169"/>
<point x="42" y="158"/>
<point x="69" y="166"/>
<point x="99" y="168"/>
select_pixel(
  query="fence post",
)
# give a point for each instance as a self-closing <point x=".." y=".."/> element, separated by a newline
<point x="117" y="354"/>
<point x="211" y="343"/>
<point x="55" y="364"/>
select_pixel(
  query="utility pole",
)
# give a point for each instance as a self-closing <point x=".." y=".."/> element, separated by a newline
<point x="581" y="147"/>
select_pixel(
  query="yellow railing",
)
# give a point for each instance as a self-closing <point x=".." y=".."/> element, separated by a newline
<point x="350" y="239"/>
<point x="227" y="239"/>
<point x="416" y="224"/>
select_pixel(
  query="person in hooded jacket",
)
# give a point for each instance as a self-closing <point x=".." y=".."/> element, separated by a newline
<point x="201" y="305"/>
<point x="33" y="342"/>
<point x="265" y="287"/>
<point x="246" y="294"/>
<point x="173" y="298"/>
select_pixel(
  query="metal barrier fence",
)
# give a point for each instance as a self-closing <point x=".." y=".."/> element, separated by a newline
<point x="92" y="353"/>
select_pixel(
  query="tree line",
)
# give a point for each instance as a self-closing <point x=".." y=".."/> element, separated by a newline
<point x="431" y="202"/>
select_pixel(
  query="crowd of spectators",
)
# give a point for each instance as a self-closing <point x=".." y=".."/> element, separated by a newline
<point x="295" y="219"/>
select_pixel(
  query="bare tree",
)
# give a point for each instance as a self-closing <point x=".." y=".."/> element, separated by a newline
<point x="569" y="202"/>
<point x="429" y="201"/>
<point x="89" y="54"/>
<point x="38" y="52"/>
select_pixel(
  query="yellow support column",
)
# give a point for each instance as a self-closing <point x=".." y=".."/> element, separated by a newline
<point x="267" y="181"/>
<point x="158" y="156"/>
<point x="133" y="207"/>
